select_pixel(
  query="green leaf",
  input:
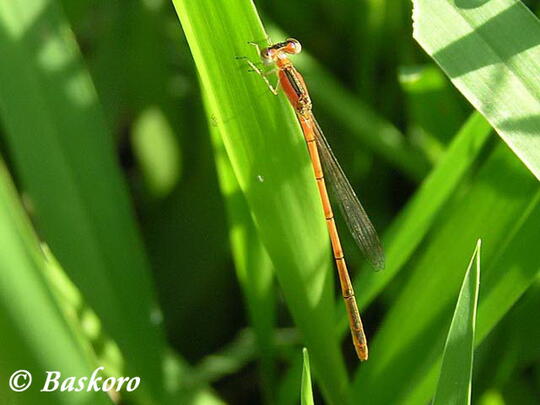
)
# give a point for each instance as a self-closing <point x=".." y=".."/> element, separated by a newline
<point x="489" y="49"/>
<point x="64" y="158"/>
<point x="35" y="334"/>
<point x="500" y="205"/>
<point x="270" y="162"/>
<point x="253" y="266"/>
<point x="454" y="386"/>
<point x="306" y="397"/>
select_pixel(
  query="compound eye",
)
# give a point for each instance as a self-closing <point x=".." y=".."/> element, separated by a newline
<point x="268" y="55"/>
<point x="293" y="46"/>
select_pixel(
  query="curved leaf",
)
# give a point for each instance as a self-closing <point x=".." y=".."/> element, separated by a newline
<point x="454" y="386"/>
<point x="490" y="50"/>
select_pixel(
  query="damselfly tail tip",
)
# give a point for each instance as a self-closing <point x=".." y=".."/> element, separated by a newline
<point x="359" y="340"/>
<point x="362" y="352"/>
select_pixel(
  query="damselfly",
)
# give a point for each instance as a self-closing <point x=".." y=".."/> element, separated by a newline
<point x="362" y="230"/>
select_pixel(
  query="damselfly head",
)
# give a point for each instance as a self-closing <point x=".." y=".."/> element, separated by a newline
<point x="280" y="50"/>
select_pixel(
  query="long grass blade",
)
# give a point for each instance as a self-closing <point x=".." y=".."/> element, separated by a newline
<point x="254" y="269"/>
<point x="270" y="162"/>
<point x="490" y="51"/>
<point x="306" y="396"/>
<point x="454" y="386"/>
<point x="35" y="333"/>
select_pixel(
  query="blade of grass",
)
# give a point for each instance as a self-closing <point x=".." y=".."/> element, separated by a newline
<point x="306" y="395"/>
<point x="269" y="159"/>
<point x="64" y="158"/>
<point x="500" y="206"/>
<point x="414" y="222"/>
<point x="253" y="266"/>
<point x="490" y="51"/>
<point x="503" y="285"/>
<point x="454" y="386"/>
<point x="37" y="341"/>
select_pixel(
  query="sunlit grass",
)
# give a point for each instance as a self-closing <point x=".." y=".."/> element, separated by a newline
<point x="176" y="194"/>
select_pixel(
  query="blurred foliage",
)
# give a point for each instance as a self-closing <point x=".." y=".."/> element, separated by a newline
<point x="137" y="184"/>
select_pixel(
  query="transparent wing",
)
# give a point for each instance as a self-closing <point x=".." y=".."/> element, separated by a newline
<point x="355" y="216"/>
